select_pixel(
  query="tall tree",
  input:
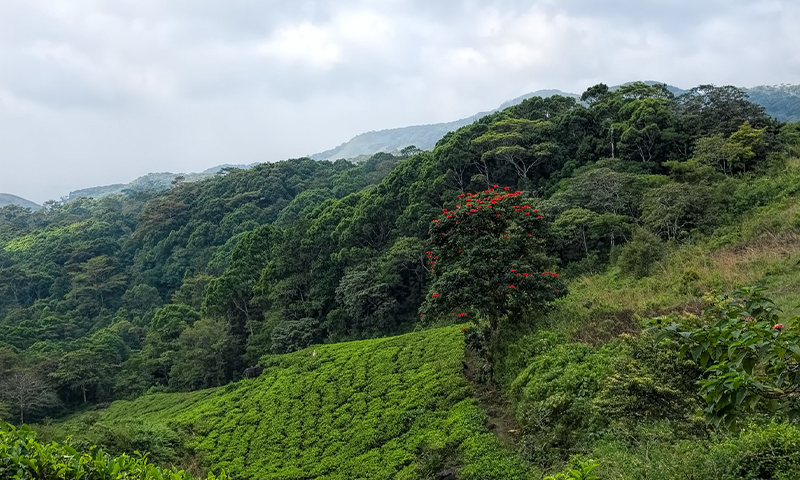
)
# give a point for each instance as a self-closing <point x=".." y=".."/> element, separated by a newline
<point x="519" y="142"/>
<point x="488" y="258"/>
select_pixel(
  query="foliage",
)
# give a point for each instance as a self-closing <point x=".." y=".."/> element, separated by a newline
<point x="554" y="395"/>
<point x="489" y="258"/>
<point x="758" y="452"/>
<point x="750" y="357"/>
<point x="23" y="458"/>
<point x="638" y="257"/>
<point x="394" y="407"/>
<point x="582" y="471"/>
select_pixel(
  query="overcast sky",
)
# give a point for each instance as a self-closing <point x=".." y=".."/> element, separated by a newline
<point x="95" y="92"/>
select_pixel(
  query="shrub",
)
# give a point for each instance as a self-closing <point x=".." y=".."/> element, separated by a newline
<point x="23" y="458"/>
<point x="759" y="452"/>
<point x="638" y="256"/>
<point x="749" y="354"/>
<point x="554" y="398"/>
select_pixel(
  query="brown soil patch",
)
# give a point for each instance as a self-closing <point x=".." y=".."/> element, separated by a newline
<point x="604" y="326"/>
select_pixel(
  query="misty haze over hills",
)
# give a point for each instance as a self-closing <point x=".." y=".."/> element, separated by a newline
<point x="9" y="199"/>
<point x="780" y="101"/>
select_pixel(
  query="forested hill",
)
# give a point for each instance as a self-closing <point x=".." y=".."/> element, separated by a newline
<point x="781" y="102"/>
<point x="8" y="199"/>
<point x="421" y="136"/>
<point x="552" y="226"/>
<point x="152" y="182"/>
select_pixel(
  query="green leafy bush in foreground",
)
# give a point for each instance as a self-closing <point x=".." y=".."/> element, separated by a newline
<point x="395" y="407"/>
<point x="23" y="458"/>
<point x="752" y="360"/>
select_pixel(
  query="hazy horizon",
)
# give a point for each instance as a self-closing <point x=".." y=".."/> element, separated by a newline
<point x="95" y="93"/>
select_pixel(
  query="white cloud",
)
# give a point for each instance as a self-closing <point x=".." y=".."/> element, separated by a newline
<point x="363" y="27"/>
<point x="305" y="44"/>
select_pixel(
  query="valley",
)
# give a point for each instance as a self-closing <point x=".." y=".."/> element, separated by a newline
<point x="522" y="301"/>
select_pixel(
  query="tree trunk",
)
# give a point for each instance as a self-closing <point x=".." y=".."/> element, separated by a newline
<point x="494" y="324"/>
<point x="613" y="151"/>
<point x="585" y="246"/>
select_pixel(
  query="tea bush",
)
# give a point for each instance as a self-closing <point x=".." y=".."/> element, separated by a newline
<point x="388" y="408"/>
<point x="23" y="458"/>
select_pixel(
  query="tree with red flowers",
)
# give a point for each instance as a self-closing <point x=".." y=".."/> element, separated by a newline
<point x="487" y="257"/>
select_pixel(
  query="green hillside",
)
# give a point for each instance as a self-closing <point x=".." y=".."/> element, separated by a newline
<point x="781" y="101"/>
<point x="388" y="408"/>
<point x="591" y="379"/>
<point x="557" y="229"/>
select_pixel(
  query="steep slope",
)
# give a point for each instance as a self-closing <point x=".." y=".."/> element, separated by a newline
<point x="389" y="408"/>
<point x="8" y="199"/>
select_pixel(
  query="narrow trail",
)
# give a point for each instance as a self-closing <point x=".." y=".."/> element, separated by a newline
<point x="499" y="411"/>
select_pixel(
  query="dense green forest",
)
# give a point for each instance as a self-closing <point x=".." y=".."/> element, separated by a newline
<point x="558" y="228"/>
<point x="780" y="101"/>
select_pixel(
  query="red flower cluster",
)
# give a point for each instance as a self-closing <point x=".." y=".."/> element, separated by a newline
<point x="778" y="326"/>
<point x="432" y="259"/>
<point x="487" y="199"/>
<point x="544" y="274"/>
<point x="525" y="207"/>
<point x="435" y="295"/>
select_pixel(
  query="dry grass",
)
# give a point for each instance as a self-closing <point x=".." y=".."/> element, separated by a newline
<point x="765" y="251"/>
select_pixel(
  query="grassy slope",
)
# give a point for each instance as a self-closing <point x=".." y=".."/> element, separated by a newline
<point x="551" y="370"/>
<point x="389" y="408"/>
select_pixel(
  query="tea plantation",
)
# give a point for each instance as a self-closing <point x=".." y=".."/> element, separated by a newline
<point x="23" y="458"/>
<point x="389" y="408"/>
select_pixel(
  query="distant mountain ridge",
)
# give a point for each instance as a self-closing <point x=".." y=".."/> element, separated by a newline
<point x="421" y="136"/>
<point x="782" y="102"/>
<point x="151" y="182"/>
<point x="9" y="199"/>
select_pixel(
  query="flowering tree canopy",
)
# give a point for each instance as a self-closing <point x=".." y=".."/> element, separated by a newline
<point x="487" y="257"/>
